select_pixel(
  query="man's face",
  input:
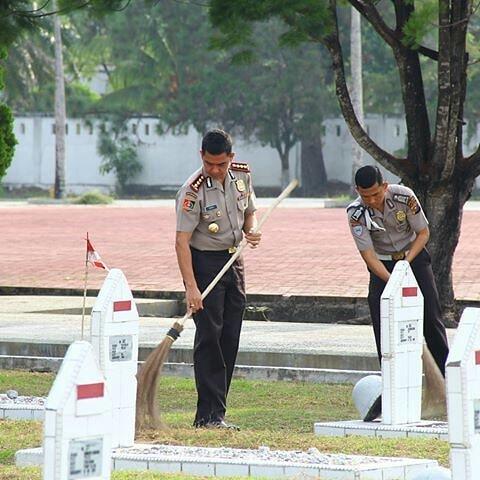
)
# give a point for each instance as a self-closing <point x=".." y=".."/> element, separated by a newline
<point x="216" y="166"/>
<point x="373" y="196"/>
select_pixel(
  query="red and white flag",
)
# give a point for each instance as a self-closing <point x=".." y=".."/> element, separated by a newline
<point x="93" y="257"/>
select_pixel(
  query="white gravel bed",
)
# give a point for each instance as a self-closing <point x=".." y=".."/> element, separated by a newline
<point x="263" y="454"/>
<point x="21" y="401"/>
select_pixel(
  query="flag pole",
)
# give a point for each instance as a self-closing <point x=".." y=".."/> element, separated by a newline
<point x="85" y="289"/>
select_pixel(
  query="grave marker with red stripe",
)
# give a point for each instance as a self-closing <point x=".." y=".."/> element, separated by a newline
<point x="122" y="306"/>
<point x="90" y="390"/>
<point x="409" y="291"/>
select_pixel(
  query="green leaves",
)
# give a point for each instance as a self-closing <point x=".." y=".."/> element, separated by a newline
<point x="7" y="139"/>
<point x="422" y="23"/>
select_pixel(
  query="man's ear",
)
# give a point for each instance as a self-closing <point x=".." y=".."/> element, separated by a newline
<point x="231" y="155"/>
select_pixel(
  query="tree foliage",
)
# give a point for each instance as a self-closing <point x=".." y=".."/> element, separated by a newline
<point x="16" y="18"/>
<point x="170" y="72"/>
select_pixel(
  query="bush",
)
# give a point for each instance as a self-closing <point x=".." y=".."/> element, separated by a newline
<point x="93" y="198"/>
<point x="119" y="155"/>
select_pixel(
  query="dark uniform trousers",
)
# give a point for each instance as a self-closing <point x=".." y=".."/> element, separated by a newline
<point x="217" y="331"/>
<point x="433" y="328"/>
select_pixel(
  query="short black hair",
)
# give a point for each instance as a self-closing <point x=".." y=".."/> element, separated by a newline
<point x="368" y="176"/>
<point x="216" y="142"/>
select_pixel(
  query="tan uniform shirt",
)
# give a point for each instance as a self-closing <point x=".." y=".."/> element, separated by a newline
<point x="392" y="230"/>
<point x="203" y="202"/>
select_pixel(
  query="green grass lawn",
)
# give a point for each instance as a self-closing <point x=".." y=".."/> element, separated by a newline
<point x="277" y="414"/>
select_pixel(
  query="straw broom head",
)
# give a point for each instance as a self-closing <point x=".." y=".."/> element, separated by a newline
<point x="147" y="413"/>
<point x="434" y="401"/>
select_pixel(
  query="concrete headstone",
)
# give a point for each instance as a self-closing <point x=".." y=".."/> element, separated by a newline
<point x="114" y="336"/>
<point x="78" y="420"/>
<point x="402" y="342"/>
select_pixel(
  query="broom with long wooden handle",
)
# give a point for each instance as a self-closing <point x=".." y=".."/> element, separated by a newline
<point x="149" y="374"/>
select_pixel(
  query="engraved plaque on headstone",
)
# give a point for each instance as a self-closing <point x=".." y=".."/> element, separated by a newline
<point x="121" y="348"/>
<point x="407" y="332"/>
<point x="85" y="458"/>
<point x="476" y="415"/>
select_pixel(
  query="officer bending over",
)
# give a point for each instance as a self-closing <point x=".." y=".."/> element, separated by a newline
<point x="388" y="224"/>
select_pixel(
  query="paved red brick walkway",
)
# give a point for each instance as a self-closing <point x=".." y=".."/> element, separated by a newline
<point x="305" y="251"/>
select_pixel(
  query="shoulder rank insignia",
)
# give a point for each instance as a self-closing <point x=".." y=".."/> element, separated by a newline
<point x="358" y="211"/>
<point x="240" y="167"/>
<point x="413" y="205"/>
<point x="196" y="184"/>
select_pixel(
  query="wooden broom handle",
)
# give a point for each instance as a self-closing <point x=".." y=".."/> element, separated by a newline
<point x="243" y="244"/>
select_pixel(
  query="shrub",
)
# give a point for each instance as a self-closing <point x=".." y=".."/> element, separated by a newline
<point x="93" y="198"/>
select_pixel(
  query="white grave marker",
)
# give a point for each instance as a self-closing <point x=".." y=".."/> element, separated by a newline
<point x="402" y="342"/>
<point x="78" y="420"/>
<point x="463" y="397"/>
<point x="114" y="336"/>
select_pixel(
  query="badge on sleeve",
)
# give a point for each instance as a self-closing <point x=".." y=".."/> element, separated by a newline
<point x="400" y="216"/>
<point x="188" y="205"/>
<point x="413" y="205"/>
<point x="240" y="185"/>
<point x="357" y="230"/>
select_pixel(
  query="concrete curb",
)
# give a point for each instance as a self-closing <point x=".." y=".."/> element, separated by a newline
<point x="331" y="361"/>
<point x="185" y="370"/>
<point x="424" y="428"/>
<point x="279" y="308"/>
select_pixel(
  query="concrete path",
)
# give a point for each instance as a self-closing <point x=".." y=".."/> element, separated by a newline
<point x="306" y="249"/>
<point x="29" y="321"/>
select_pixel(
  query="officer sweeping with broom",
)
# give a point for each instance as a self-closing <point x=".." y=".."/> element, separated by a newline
<point x="215" y="221"/>
<point x="215" y="210"/>
<point x="387" y="224"/>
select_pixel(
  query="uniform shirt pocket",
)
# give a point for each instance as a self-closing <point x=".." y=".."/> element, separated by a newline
<point x="242" y="204"/>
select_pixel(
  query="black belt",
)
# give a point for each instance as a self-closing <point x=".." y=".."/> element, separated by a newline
<point x="229" y="251"/>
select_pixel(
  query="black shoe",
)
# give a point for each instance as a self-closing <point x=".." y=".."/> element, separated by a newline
<point x="375" y="410"/>
<point x="220" y="423"/>
<point x="200" y="423"/>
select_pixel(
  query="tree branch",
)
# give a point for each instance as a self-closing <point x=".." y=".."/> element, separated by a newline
<point x="472" y="163"/>
<point x="368" y="10"/>
<point x="398" y="166"/>
<point x="428" y="52"/>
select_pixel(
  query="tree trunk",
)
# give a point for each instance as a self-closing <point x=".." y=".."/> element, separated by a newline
<point x="285" y="168"/>
<point x="314" y="175"/>
<point x="60" y="112"/>
<point x="356" y="90"/>
<point x="444" y="208"/>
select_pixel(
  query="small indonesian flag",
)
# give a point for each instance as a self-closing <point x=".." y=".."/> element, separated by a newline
<point x="93" y="257"/>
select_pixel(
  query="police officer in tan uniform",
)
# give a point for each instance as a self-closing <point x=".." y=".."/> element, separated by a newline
<point x="215" y="210"/>
<point x="388" y="224"/>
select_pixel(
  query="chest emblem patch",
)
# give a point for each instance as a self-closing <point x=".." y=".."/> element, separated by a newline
<point x="401" y="216"/>
<point x="240" y="185"/>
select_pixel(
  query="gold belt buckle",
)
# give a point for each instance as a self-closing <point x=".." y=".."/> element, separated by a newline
<point x="398" y="256"/>
<point x="232" y="249"/>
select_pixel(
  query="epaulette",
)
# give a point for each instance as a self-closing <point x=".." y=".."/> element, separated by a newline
<point x="240" y="167"/>
<point x="359" y="210"/>
<point x="197" y="183"/>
